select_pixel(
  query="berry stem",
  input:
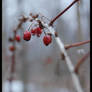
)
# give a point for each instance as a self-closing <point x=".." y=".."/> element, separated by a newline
<point x="44" y="32"/>
<point x="30" y="27"/>
<point x="81" y="62"/>
<point x="76" y="44"/>
<point x="54" y="19"/>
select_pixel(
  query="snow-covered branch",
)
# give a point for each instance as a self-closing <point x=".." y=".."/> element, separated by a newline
<point x="67" y="59"/>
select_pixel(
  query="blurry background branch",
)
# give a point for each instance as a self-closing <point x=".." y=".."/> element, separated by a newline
<point x="81" y="62"/>
<point x="76" y="44"/>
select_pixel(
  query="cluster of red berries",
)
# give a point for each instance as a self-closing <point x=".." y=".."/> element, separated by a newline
<point x="17" y="38"/>
<point x="37" y="31"/>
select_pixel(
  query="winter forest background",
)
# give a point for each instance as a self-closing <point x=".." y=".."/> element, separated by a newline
<point x="33" y="73"/>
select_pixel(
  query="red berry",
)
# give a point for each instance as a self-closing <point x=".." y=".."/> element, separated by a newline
<point x="11" y="48"/>
<point x="17" y="38"/>
<point x="33" y="32"/>
<point x="47" y="40"/>
<point x="27" y="35"/>
<point x="38" y="31"/>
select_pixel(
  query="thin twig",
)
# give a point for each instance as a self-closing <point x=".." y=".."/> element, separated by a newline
<point x="76" y="44"/>
<point x="81" y="61"/>
<point x="54" y="19"/>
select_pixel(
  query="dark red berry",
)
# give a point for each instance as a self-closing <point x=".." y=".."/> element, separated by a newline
<point x="11" y="48"/>
<point x="27" y="35"/>
<point x="17" y="38"/>
<point x="33" y="32"/>
<point x="47" y="40"/>
<point x="38" y="31"/>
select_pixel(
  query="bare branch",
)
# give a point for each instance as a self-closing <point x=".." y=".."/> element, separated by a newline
<point x="54" y="19"/>
<point x="76" y="44"/>
<point x="81" y="61"/>
<point x="67" y="59"/>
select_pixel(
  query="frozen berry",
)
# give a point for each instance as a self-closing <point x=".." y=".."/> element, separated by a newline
<point x="38" y="31"/>
<point x="47" y="40"/>
<point x="27" y="35"/>
<point x="11" y="48"/>
<point x="33" y="32"/>
<point x="17" y="38"/>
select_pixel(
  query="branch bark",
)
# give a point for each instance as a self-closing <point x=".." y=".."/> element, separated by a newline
<point x="76" y="44"/>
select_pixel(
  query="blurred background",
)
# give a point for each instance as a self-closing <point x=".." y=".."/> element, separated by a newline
<point x="39" y="68"/>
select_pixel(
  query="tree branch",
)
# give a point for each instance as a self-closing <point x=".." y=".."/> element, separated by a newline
<point x="76" y="44"/>
<point x="67" y="59"/>
<point x="54" y="19"/>
<point x="81" y="61"/>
